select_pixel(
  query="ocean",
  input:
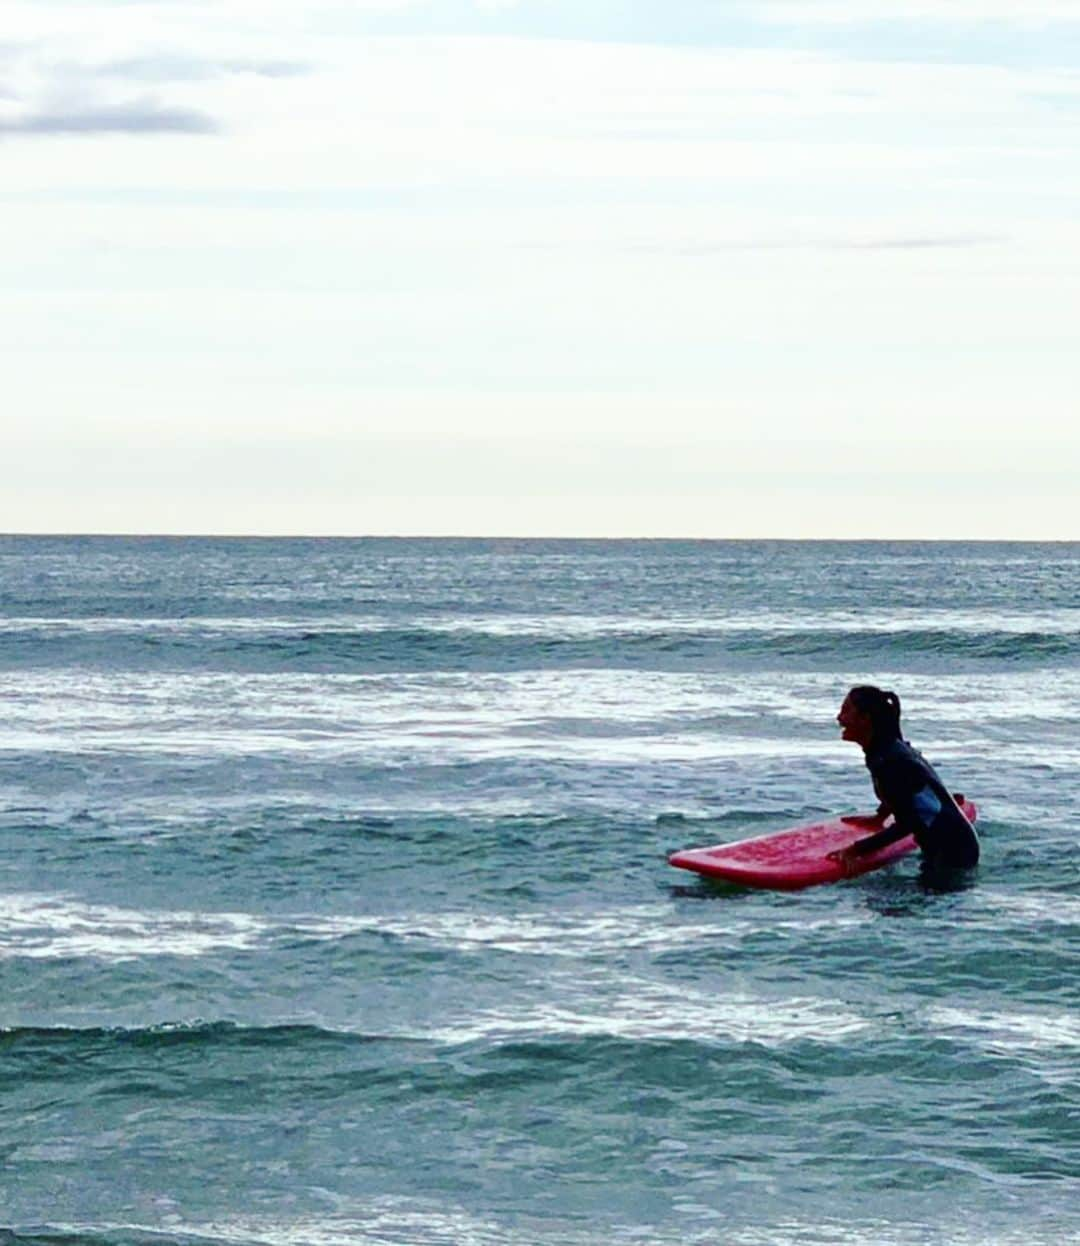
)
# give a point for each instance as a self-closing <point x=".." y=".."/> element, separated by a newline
<point x="335" y="910"/>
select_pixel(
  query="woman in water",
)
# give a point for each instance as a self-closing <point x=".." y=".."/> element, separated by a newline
<point x="906" y="784"/>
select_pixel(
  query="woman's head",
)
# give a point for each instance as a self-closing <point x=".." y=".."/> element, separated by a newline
<point x="869" y="716"/>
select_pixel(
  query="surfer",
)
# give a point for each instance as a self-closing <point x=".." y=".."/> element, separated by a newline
<point x="906" y="784"/>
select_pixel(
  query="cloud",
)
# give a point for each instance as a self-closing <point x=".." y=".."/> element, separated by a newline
<point x="862" y="12"/>
<point x="910" y="242"/>
<point x="142" y="116"/>
<point x="82" y="79"/>
<point x="917" y="243"/>
<point x="172" y="67"/>
<point x="41" y="94"/>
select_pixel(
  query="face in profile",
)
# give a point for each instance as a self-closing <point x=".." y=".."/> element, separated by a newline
<point x="855" y="724"/>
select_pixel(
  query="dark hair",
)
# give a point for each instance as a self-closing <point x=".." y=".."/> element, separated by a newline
<point x="882" y="708"/>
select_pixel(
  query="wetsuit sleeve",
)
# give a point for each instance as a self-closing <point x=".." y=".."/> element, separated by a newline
<point x="880" y="839"/>
<point x="893" y="779"/>
<point x="896" y="782"/>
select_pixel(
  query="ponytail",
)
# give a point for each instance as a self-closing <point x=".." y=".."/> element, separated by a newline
<point x="883" y="708"/>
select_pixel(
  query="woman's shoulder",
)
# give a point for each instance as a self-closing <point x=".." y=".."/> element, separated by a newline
<point x="897" y="756"/>
<point x="890" y="750"/>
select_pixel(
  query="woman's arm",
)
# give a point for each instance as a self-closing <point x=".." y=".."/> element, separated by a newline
<point x="890" y="835"/>
<point x="871" y="843"/>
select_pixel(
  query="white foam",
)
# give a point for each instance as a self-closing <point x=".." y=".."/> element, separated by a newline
<point x="1036" y="1033"/>
<point x="48" y="927"/>
<point x="54" y="926"/>
<point x="1061" y="621"/>
<point x="574" y="934"/>
<point x="390" y="1221"/>
<point x="1031" y="908"/>
<point x="615" y="716"/>
<point x="644" y="1010"/>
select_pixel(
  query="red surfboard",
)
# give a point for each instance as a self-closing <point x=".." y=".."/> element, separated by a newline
<point x="799" y="857"/>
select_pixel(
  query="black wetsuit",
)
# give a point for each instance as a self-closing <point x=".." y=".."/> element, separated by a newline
<point x="909" y="787"/>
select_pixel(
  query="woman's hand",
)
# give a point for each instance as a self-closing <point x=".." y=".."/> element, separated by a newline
<point x="846" y="859"/>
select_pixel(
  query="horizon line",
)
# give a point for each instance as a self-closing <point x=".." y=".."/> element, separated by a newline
<point x="464" y="536"/>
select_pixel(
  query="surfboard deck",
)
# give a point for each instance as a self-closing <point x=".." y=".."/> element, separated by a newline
<point x="792" y="859"/>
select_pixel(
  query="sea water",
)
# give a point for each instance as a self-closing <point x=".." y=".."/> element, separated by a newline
<point x="334" y="904"/>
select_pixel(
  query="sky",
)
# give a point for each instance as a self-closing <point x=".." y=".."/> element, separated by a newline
<point x="612" y="268"/>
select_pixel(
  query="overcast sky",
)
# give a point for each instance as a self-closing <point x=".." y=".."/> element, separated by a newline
<point x="803" y="268"/>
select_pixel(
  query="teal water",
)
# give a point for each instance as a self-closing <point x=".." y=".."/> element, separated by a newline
<point x="334" y="904"/>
